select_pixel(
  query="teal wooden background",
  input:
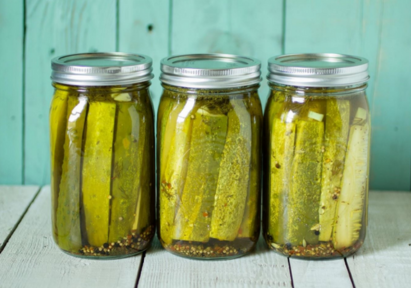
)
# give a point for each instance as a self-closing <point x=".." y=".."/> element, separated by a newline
<point x="34" y="31"/>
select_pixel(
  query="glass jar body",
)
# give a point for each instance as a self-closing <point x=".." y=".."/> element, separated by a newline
<point x="102" y="170"/>
<point x="317" y="143"/>
<point x="209" y="171"/>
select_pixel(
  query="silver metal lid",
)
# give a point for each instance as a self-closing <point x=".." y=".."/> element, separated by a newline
<point x="101" y="69"/>
<point x="210" y="71"/>
<point x="318" y="70"/>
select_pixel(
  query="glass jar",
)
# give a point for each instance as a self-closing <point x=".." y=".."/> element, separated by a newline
<point x="102" y="154"/>
<point x="208" y="140"/>
<point x="317" y="136"/>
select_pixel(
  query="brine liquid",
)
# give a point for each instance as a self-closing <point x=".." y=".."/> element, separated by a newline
<point x="209" y="171"/>
<point x="102" y="154"/>
<point x="316" y="172"/>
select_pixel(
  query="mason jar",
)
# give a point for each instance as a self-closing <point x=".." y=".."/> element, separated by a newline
<point x="208" y="140"/>
<point x="317" y="150"/>
<point x="102" y="154"/>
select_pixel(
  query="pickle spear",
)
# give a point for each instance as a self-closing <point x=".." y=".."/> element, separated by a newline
<point x="304" y="197"/>
<point x="368" y="173"/>
<point x="337" y="125"/>
<point x="58" y="124"/>
<point x="274" y="110"/>
<point x="207" y="144"/>
<point x="176" y="145"/>
<point x="128" y="154"/>
<point x="250" y="224"/>
<point x="166" y="123"/>
<point x="233" y="178"/>
<point x="97" y="170"/>
<point x="143" y="205"/>
<point x="354" y="183"/>
<point x="68" y="210"/>
<point x="282" y="153"/>
<point x="167" y="114"/>
<point x="276" y="105"/>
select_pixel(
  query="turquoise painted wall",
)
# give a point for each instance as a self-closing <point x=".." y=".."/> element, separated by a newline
<point x="32" y="32"/>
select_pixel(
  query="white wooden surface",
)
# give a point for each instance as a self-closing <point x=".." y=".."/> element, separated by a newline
<point x="385" y="258"/>
<point x="31" y="259"/>
<point x="316" y="274"/>
<point x="14" y="201"/>
<point x="260" y="269"/>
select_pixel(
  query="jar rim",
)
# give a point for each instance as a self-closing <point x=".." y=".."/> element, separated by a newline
<point x="101" y="69"/>
<point x="210" y="71"/>
<point x="318" y="70"/>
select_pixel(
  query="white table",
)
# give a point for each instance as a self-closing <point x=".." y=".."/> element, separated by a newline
<point x="29" y="258"/>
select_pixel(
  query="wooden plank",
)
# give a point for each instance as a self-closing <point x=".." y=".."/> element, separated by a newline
<point x="11" y="83"/>
<point x="320" y="273"/>
<point x="143" y="28"/>
<point x="318" y="26"/>
<point x="385" y="258"/>
<point x="54" y="28"/>
<point x="390" y="104"/>
<point x="235" y="27"/>
<point x="262" y="268"/>
<point x="372" y="29"/>
<point x="14" y="201"/>
<point x="31" y="254"/>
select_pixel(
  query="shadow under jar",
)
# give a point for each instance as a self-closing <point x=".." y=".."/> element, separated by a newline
<point x="317" y="143"/>
<point x="208" y="133"/>
<point x="102" y="155"/>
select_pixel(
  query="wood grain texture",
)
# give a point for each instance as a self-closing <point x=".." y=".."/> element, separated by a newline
<point x="249" y="28"/>
<point x="385" y="258"/>
<point x="261" y="268"/>
<point x="143" y="28"/>
<point x="31" y="259"/>
<point x="11" y="83"/>
<point x="372" y="29"/>
<point x="331" y="273"/>
<point x="55" y="28"/>
<point x="318" y="26"/>
<point x="391" y="101"/>
<point x="14" y="201"/>
<point x="376" y="30"/>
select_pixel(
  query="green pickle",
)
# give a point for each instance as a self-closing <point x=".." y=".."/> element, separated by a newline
<point x="305" y="187"/>
<point x="233" y="178"/>
<point x="143" y="217"/>
<point x="282" y="149"/>
<point x="336" y="134"/>
<point x="208" y="138"/>
<point x="209" y="182"/>
<point x="68" y="204"/>
<point x="129" y="145"/>
<point x="316" y="189"/>
<point x="102" y="147"/>
<point x="251" y="224"/>
<point x="58" y="121"/>
<point x="96" y="184"/>
<point x="174" y="173"/>
<point x="350" y="210"/>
